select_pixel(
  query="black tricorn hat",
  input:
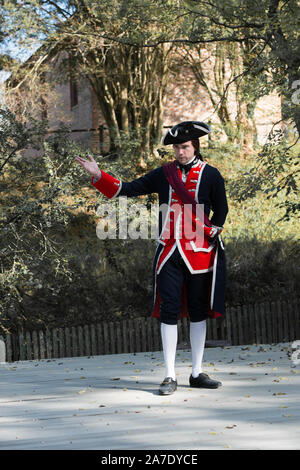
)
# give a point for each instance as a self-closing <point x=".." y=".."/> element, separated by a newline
<point x="184" y="131"/>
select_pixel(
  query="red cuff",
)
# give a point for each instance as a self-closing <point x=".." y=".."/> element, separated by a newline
<point x="107" y="185"/>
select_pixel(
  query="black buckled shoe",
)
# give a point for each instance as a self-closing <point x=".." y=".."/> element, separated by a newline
<point x="168" y="386"/>
<point x="203" y="381"/>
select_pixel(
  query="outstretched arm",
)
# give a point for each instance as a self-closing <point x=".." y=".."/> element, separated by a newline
<point x="112" y="187"/>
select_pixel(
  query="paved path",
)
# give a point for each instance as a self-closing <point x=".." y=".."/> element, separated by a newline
<point x="111" y="402"/>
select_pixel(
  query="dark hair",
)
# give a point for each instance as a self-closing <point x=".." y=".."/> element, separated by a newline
<point x="196" y="146"/>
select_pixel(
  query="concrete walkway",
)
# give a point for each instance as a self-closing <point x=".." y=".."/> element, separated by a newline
<point x="111" y="402"/>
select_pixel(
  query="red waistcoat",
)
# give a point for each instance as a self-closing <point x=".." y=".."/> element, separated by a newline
<point x="184" y="229"/>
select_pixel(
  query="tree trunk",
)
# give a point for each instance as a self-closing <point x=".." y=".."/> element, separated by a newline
<point x="130" y="86"/>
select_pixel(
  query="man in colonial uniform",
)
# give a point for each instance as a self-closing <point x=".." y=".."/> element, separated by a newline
<point x="189" y="263"/>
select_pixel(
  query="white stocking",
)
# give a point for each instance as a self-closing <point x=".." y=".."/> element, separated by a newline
<point x="169" y="342"/>
<point x="197" y="339"/>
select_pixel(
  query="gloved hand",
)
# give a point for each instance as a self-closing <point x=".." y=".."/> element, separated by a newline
<point x="212" y="231"/>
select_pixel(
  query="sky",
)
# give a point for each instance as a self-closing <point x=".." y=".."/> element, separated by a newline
<point x="9" y="47"/>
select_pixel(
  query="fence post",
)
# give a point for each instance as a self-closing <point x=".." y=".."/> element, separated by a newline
<point x="239" y="320"/>
<point x="106" y="339"/>
<point x="55" y="343"/>
<point x="295" y="318"/>
<point x="264" y="322"/>
<point x="156" y="334"/>
<point x="137" y="335"/>
<point x="28" y="345"/>
<point x="93" y="341"/>
<point x="234" y="327"/>
<point x="68" y="342"/>
<point x="42" y="345"/>
<point x="100" y="348"/>
<point x="48" y="344"/>
<point x="112" y="338"/>
<point x="87" y="349"/>
<point x="285" y="318"/>
<point x="149" y="334"/>
<point x="22" y="355"/>
<point x="80" y="341"/>
<point x="228" y="325"/>
<point x="61" y="342"/>
<point x="35" y="345"/>
<point x="124" y="331"/>
<point x="143" y="335"/>
<point x="257" y="324"/>
<point x="74" y="342"/>
<point x="2" y="350"/>
<point x="131" y="336"/>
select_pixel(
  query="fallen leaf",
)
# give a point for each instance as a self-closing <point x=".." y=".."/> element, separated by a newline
<point x="115" y="378"/>
<point x="81" y="392"/>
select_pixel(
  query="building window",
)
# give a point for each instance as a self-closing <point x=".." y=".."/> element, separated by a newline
<point x="44" y="113"/>
<point x="73" y="93"/>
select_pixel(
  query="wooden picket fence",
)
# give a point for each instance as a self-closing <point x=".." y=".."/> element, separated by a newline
<point x="247" y="324"/>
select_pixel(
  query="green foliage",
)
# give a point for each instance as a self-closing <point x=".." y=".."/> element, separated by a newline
<point x="275" y="172"/>
<point x="34" y="207"/>
<point x="16" y="135"/>
<point x="56" y="272"/>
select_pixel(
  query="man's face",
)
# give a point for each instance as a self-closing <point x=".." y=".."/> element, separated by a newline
<point x="184" y="153"/>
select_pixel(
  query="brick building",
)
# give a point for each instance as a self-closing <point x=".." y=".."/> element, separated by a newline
<point x="75" y="104"/>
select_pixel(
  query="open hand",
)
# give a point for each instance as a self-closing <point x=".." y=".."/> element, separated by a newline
<point x="90" y="166"/>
